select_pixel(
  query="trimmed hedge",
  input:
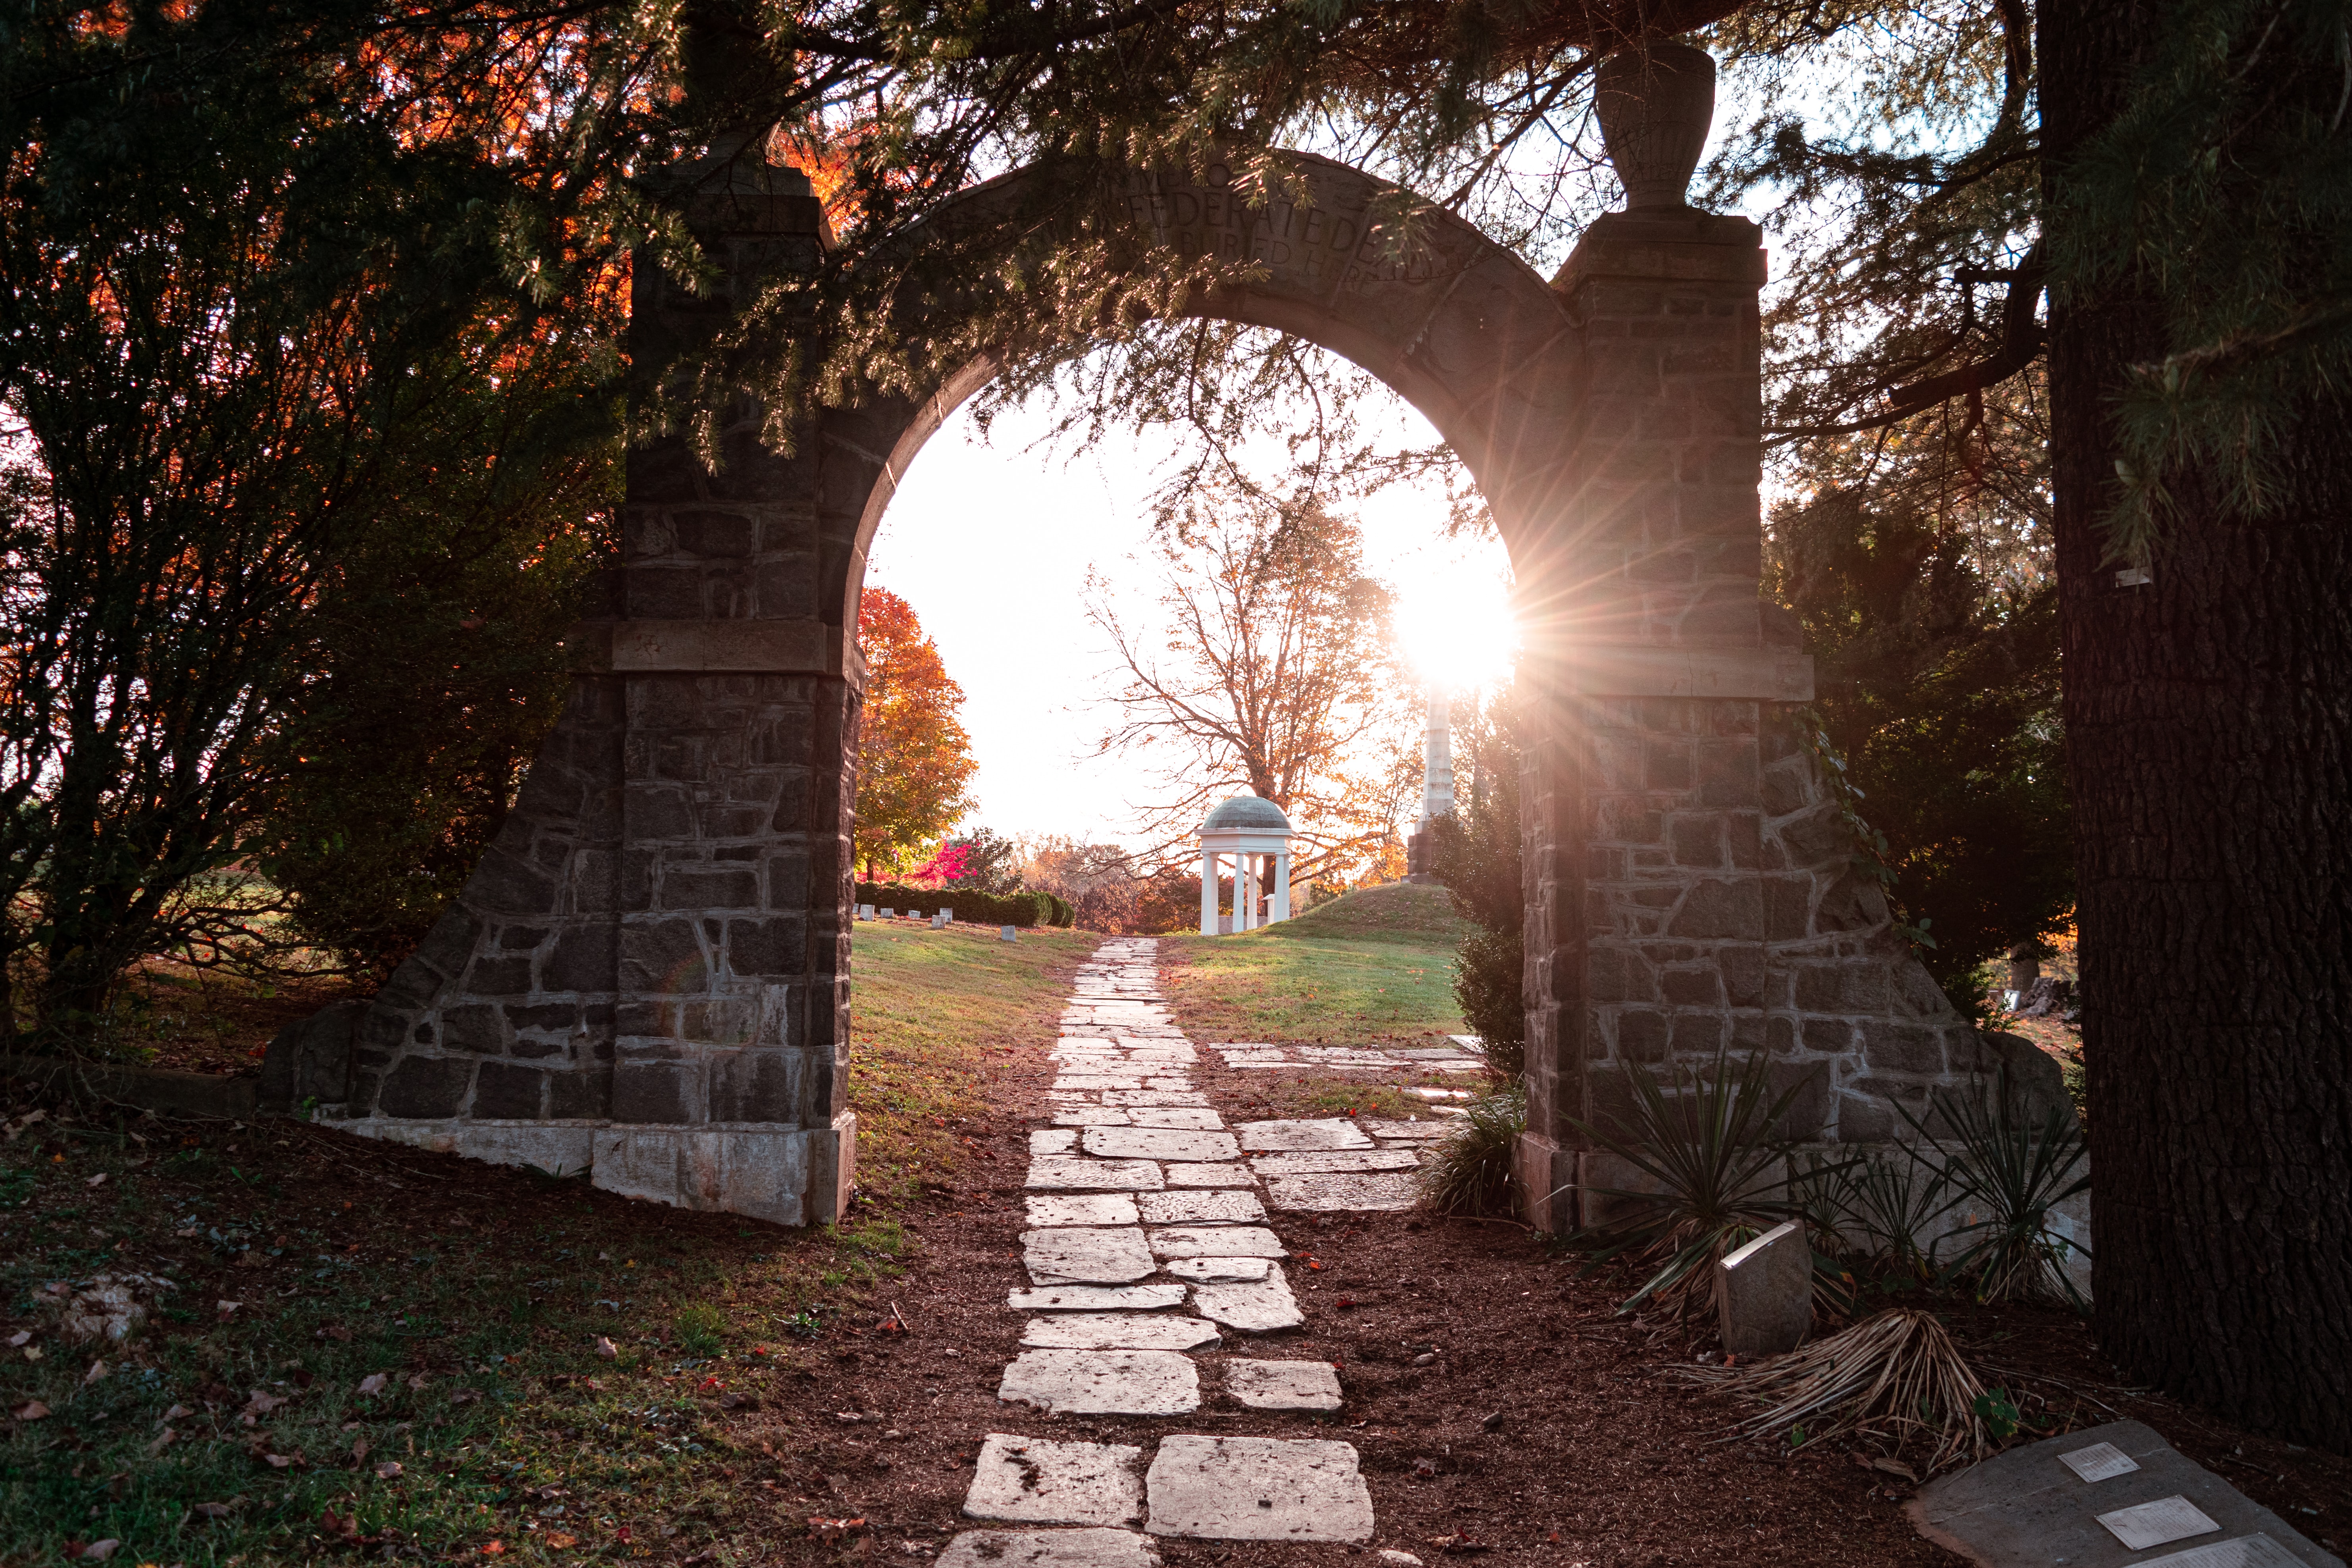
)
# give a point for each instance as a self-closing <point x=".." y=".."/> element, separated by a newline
<point x="1023" y="909"/>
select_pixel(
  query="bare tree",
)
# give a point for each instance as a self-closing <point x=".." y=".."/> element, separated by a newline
<point x="1269" y="669"/>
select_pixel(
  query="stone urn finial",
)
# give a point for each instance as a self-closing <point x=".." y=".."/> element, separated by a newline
<point x="1655" y="100"/>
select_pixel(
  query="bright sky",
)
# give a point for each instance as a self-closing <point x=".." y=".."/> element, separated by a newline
<point x="991" y="543"/>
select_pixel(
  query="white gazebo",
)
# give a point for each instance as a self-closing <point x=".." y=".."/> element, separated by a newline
<point x="1245" y="828"/>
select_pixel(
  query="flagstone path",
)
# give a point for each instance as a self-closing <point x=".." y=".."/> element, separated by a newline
<point x="1148" y="1246"/>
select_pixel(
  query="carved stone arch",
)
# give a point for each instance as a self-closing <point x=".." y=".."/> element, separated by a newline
<point x="647" y="977"/>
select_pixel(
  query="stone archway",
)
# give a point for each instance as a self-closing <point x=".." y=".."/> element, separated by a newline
<point x="647" y="978"/>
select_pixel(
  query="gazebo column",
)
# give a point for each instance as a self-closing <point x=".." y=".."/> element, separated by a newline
<point x="1281" y="911"/>
<point x="1244" y="892"/>
<point x="1208" y="892"/>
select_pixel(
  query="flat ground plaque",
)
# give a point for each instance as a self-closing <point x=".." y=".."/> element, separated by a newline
<point x="2029" y="1506"/>
<point x="2157" y="1523"/>
<point x="2099" y="1462"/>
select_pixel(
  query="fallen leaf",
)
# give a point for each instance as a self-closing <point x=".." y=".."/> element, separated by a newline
<point x="606" y="1348"/>
<point x="833" y="1529"/>
<point x="360" y="1451"/>
<point x="464" y="1395"/>
<point x="373" y="1383"/>
<point x="97" y="1374"/>
<point x="163" y="1440"/>
<point x="212" y="1509"/>
<point x="495" y="1549"/>
<point x="177" y="1411"/>
<point x="32" y="1410"/>
<point x="276" y="1461"/>
<point x="388" y="1471"/>
<point x="100" y="1181"/>
<point x="337" y="1333"/>
<point x="225" y="1308"/>
<point x="334" y="1523"/>
<point x="418" y="1382"/>
<point x="20" y="1339"/>
<point x="262" y="1402"/>
<point x="1896" y="1468"/>
<point x="563" y="1543"/>
<point x="99" y="1551"/>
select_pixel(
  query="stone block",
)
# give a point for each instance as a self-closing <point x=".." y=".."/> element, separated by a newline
<point x="1713" y="910"/>
<point x="1118" y="1331"/>
<point x="1257" y="1488"/>
<point x="1086" y="1254"/>
<point x="1216" y="1241"/>
<point x="1103" y="1383"/>
<point x="1030" y="1479"/>
<point x="584" y="1094"/>
<point x="1641" y="1036"/>
<point x="652" y="1092"/>
<point x="425" y="1087"/>
<point x="1092" y="1548"/>
<point x="662" y="956"/>
<point x="1284" y="1384"/>
<point x="499" y="975"/>
<point x="1160" y="1143"/>
<point x="709" y="888"/>
<point x="1915" y="1048"/>
<point x="1201" y="1206"/>
<point x="1098" y="1297"/>
<point x="1253" y="1306"/>
<point x="1764" y="1293"/>
<point x="1336" y="1132"/>
<point x="585" y="958"/>
<point x="508" y="1093"/>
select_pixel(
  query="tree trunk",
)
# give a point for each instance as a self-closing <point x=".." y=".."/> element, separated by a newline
<point x="2208" y="714"/>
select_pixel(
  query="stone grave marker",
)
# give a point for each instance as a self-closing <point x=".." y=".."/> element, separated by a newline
<point x="1764" y="1292"/>
<point x="2088" y="1498"/>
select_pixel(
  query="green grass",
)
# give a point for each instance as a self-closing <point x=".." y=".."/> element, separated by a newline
<point x="479" y="1295"/>
<point x="1373" y="965"/>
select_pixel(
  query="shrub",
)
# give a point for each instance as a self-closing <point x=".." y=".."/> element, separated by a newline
<point x="1471" y="1170"/>
<point x="1475" y="853"/>
<point x="2014" y="1171"/>
<point x="1025" y="908"/>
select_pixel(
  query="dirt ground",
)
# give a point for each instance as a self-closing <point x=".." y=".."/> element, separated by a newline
<point x="1500" y="1405"/>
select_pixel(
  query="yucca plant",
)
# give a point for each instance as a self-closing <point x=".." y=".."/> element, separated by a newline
<point x="2017" y="1171"/>
<point x="1710" y="1147"/>
<point x="1893" y="1199"/>
<point x="1469" y="1171"/>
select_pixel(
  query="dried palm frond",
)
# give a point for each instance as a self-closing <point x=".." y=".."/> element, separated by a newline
<point x="1896" y="1374"/>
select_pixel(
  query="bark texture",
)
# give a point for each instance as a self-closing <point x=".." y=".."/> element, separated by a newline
<point x="2207" y="715"/>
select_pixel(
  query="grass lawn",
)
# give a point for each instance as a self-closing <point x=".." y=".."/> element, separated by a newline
<point x="1371" y="967"/>
<point x="349" y="1346"/>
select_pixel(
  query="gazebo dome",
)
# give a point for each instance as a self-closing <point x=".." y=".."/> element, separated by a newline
<point x="1245" y="812"/>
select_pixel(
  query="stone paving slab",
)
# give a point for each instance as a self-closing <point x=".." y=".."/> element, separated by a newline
<point x="1220" y="1268"/>
<point x="1217" y="1241"/>
<point x="1088" y="1081"/>
<point x="1057" y="1140"/>
<point x="1284" y="1384"/>
<point x="1257" y="1488"/>
<point x="1103" y="1383"/>
<point x="1086" y="1254"/>
<point x="1202" y="1207"/>
<point x="1176" y="1116"/>
<point x="1189" y="1175"/>
<point x="1141" y="1297"/>
<point x="1408" y="1132"/>
<point x="2028" y="1506"/>
<point x="1160" y="1143"/>
<point x="1073" y="1174"/>
<point x="1091" y="1116"/>
<point x="1385" y="1194"/>
<point x="1118" y="1331"/>
<point x="1337" y="1159"/>
<point x="1258" y="1307"/>
<point x="1193" y="1097"/>
<point x="1049" y="1549"/>
<point x="1031" y="1480"/>
<point x="1336" y="1132"/>
<point x="1086" y="1208"/>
